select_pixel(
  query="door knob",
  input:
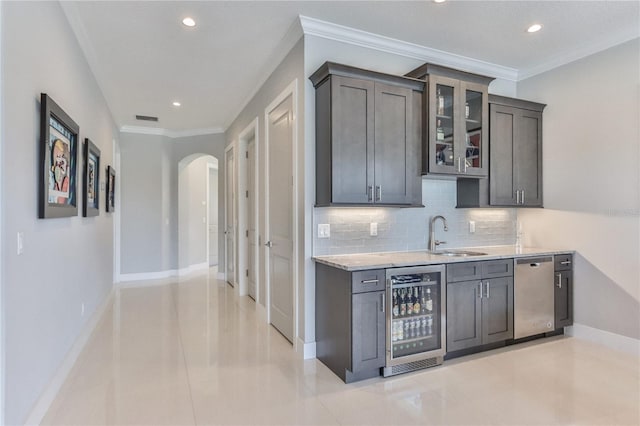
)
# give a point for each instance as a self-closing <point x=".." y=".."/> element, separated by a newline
<point x="268" y="244"/>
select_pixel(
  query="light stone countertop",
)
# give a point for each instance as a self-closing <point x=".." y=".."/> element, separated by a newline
<point x="363" y="261"/>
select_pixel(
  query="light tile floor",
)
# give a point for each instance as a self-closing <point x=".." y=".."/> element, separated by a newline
<point x="194" y="353"/>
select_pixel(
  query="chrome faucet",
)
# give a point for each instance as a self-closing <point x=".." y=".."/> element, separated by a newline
<point x="433" y="243"/>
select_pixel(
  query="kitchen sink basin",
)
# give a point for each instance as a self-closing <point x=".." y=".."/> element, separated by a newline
<point x="458" y="253"/>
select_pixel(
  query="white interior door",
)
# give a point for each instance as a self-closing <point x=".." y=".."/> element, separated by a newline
<point x="280" y="223"/>
<point x="213" y="216"/>
<point x="251" y="218"/>
<point x="229" y="232"/>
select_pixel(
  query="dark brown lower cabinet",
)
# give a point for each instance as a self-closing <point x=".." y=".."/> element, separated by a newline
<point x="479" y="311"/>
<point x="350" y="321"/>
<point x="563" y="299"/>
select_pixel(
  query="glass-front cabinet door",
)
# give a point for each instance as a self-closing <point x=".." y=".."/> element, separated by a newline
<point x="443" y="119"/>
<point x="457" y="116"/>
<point x="475" y="131"/>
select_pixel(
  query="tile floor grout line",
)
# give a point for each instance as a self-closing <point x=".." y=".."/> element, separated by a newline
<point x="184" y="356"/>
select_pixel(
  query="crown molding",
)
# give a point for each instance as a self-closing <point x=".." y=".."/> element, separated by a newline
<point x="158" y="131"/>
<point x="330" y="31"/>
<point x="574" y="55"/>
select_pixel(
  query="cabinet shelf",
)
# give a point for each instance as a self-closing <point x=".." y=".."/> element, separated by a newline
<point x="444" y="117"/>
<point x="412" y="340"/>
<point x="399" y="318"/>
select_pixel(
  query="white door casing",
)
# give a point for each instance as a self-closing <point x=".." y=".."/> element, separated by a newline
<point x="230" y="216"/>
<point x="281" y="220"/>
<point x="252" y="242"/>
<point x="212" y="213"/>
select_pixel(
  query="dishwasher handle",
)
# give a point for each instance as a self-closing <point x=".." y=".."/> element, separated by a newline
<point x="534" y="262"/>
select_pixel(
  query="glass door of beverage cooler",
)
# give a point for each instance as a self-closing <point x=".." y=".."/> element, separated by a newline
<point x="415" y="329"/>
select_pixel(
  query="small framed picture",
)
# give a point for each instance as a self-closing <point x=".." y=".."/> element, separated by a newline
<point x="91" y="180"/>
<point x="58" y="161"/>
<point x="111" y="190"/>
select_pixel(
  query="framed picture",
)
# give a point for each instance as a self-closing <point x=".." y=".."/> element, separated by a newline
<point x="58" y="161"/>
<point x="111" y="189"/>
<point x="91" y="179"/>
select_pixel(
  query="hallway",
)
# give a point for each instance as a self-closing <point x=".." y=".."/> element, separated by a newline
<point x="193" y="353"/>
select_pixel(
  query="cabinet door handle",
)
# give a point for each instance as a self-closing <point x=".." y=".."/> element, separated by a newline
<point x="517" y="196"/>
<point x="565" y="262"/>
<point x="370" y="192"/>
<point x="372" y="281"/>
<point x="486" y="284"/>
<point x="480" y="290"/>
<point x="559" y="285"/>
<point x="383" y="302"/>
<point x="459" y="165"/>
<point x="465" y="165"/>
<point x="523" y="196"/>
<point x="378" y="193"/>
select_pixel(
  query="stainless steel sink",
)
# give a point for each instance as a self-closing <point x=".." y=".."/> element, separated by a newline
<point x="457" y="253"/>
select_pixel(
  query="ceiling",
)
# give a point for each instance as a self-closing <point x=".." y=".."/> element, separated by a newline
<point x="144" y="58"/>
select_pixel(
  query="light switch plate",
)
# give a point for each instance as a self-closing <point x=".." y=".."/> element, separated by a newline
<point x="472" y="226"/>
<point x="20" y="243"/>
<point x="324" y="230"/>
<point x="373" y="229"/>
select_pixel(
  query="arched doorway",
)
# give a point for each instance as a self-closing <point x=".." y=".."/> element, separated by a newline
<point x="198" y="201"/>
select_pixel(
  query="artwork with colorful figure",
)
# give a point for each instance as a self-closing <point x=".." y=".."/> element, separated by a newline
<point x="92" y="183"/>
<point x="60" y="165"/>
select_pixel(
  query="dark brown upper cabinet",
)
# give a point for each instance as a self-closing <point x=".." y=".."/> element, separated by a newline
<point x="515" y="170"/>
<point x="456" y="121"/>
<point x="368" y="137"/>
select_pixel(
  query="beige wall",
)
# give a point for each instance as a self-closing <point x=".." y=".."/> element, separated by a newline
<point x="591" y="181"/>
<point x="149" y="220"/>
<point x="290" y="69"/>
<point x="67" y="262"/>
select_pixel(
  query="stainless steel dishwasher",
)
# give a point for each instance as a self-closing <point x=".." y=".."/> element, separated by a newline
<point x="533" y="296"/>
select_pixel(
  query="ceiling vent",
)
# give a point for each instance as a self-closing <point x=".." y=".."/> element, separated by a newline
<point x="146" y="118"/>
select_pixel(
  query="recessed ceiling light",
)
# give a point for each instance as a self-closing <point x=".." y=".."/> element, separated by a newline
<point x="439" y="1"/>
<point x="176" y="104"/>
<point x="534" y="28"/>
<point x="189" y="22"/>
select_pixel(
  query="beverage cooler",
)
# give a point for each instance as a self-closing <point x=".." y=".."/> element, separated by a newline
<point x="416" y="305"/>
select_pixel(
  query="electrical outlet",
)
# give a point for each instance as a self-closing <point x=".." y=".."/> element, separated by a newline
<point x="324" y="230"/>
<point x="472" y="226"/>
<point x="373" y="229"/>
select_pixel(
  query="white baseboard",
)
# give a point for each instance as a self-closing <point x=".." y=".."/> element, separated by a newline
<point x="46" y="398"/>
<point x="305" y="350"/>
<point x="193" y="268"/>
<point x="144" y="276"/>
<point x="612" y="340"/>
<point x="161" y="275"/>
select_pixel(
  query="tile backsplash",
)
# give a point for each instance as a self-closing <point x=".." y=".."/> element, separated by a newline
<point x="401" y="229"/>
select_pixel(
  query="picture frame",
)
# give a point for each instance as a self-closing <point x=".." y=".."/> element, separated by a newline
<point x="111" y="190"/>
<point x="91" y="180"/>
<point x="58" y="195"/>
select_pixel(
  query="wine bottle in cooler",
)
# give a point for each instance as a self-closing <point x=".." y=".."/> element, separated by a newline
<point x="428" y="302"/>
<point x="416" y="301"/>
<point x="403" y="303"/>
<point x="396" y="308"/>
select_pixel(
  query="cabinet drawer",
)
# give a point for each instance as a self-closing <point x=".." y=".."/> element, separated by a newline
<point x="563" y="262"/>
<point x="363" y="281"/>
<point x="465" y="271"/>
<point x="497" y="268"/>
